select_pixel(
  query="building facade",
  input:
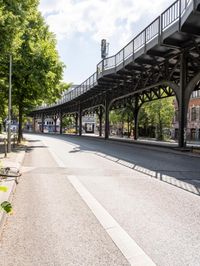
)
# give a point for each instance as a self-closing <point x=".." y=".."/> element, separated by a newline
<point x="193" y="118"/>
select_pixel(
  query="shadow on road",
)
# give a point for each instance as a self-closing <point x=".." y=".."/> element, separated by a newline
<point x="178" y="170"/>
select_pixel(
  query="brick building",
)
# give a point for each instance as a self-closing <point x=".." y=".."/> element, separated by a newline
<point x="193" y="118"/>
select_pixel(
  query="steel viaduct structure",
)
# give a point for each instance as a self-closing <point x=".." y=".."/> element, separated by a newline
<point x="161" y="61"/>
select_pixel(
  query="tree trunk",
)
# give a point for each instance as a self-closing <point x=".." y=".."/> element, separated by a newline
<point x="160" y="133"/>
<point x="20" y="135"/>
<point x="122" y="127"/>
<point x="129" y="127"/>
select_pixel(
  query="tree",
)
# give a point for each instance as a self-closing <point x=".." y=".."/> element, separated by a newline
<point x="38" y="69"/>
<point x="124" y="116"/>
<point x="13" y="14"/>
<point x="67" y="121"/>
<point x="158" y="114"/>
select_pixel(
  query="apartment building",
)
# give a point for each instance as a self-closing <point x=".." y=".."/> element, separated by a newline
<point x="193" y="118"/>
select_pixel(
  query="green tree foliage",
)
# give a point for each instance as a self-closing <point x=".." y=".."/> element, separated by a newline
<point x="67" y="121"/>
<point x="37" y="69"/>
<point x="115" y="116"/>
<point x="158" y="114"/>
<point x="13" y="22"/>
<point x="6" y="206"/>
<point x="124" y="116"/>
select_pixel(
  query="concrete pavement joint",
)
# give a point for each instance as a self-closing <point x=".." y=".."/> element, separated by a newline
<point x="132" y="252"/>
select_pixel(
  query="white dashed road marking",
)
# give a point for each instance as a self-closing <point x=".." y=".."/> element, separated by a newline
<point x="132" y="252"/>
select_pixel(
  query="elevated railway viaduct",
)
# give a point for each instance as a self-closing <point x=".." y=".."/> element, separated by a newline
<point x="161" y="61"/>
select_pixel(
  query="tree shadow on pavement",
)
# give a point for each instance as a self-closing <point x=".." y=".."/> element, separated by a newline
<point x="179" y="170"/>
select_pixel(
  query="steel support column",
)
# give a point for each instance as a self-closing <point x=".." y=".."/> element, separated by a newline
<point x="61" y="117"/>
<point x="80" y="120"/>
<point x="34" y="124"/>
<point x="100" y="120"/>
<point x="55" y="121"/>
<point x="136" y="112"/>
<point x="76" y="123"/>
<point x="42" y="128"/>
<point x="183" y="105"/>
<point x="107" y="124"/>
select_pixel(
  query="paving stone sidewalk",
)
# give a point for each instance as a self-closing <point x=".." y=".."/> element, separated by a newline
<point x="13" y="159"/>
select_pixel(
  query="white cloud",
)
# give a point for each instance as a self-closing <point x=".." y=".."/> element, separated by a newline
<point x="81" y="24"/>
<point x="110" y="19"/>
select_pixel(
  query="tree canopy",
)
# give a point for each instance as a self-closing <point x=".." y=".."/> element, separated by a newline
<point x="157" y="115"/>
<point x="37" y="68"/>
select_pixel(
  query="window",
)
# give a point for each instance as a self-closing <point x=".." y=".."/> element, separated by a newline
<point x="199" y="113"/>
<point x="193" y="114"/>
<point x="193" y="133"/>
<point x="195" y="94"/>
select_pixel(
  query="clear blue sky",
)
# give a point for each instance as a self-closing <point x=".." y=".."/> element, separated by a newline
<point x="80" y="25"/>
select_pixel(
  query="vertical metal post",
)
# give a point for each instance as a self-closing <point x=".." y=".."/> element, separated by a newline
<point x="100" y="121"/>
<point x="9" y="105"/>
<point x="76" y="123"/>
<point x="107" y="125"/>
<point x="80" y="120"/>
<point x="42" y="123"/>
<point x="61" y="117"/>
<point x="161" y="26"/>
<point x="123" y="57"/>
<point x="136" y="124"/>
<point x="183" y="105"/>
<point x="55" y="121"/>
<point x="34" y="124"/>
<point x="5" y="148"/>
<point x="159" y="29"/>
<point x="180" y="14"/>
<point x="136" y="112"/>
<point x="102" y="66"/>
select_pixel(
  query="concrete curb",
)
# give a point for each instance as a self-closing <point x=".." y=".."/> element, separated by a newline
<point x="11" y="185"/>
<point x="165" y="148"/>
<point x="145" y="145"/>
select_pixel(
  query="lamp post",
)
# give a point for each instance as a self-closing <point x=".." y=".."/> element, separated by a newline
<point x="9" y="105"/>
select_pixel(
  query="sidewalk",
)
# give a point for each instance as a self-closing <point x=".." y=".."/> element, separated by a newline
<point x="192" y="149"/>
<point x="13" y="159"/>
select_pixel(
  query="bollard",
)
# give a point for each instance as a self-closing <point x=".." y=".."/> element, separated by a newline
<point x="5" y="147"/>
<point x="14" y="141"/>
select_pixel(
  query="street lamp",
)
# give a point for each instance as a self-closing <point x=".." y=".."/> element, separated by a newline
<point x="9" y="105"/>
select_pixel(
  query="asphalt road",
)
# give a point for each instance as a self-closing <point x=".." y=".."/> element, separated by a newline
<point x="153" y="195"/>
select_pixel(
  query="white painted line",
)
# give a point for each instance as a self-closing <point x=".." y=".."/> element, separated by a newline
<point x="132" y="252"/>
<point x="56" y="158"/>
